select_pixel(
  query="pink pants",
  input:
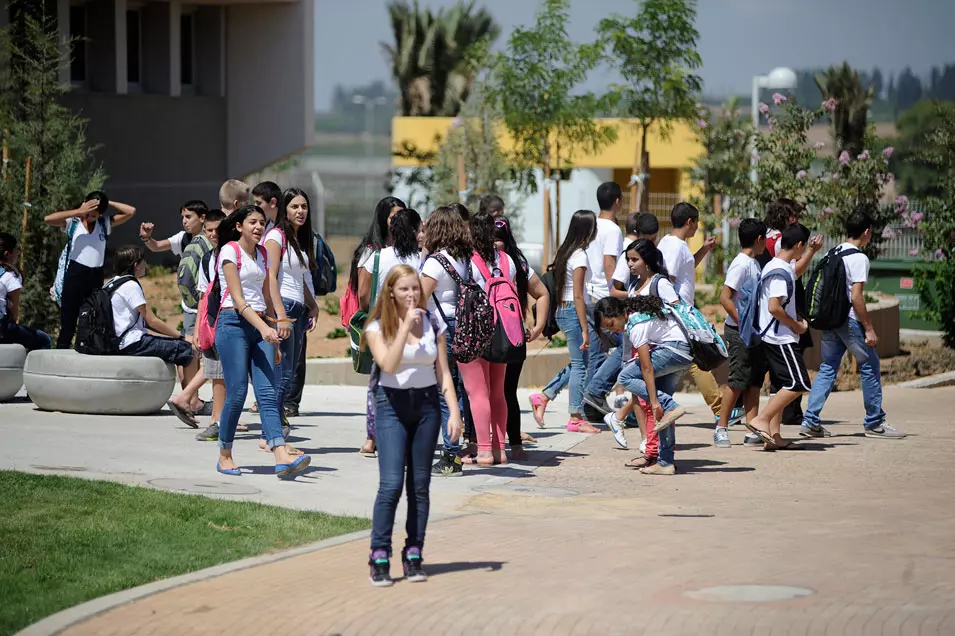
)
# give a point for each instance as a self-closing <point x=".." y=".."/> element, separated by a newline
<point x="653" y="438"/>
<point x="484" y="383"/>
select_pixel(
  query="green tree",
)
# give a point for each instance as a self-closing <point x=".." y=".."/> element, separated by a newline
<point x="852" y="99"/>
<point x="37" y="127"/>
<point x="435" y="57"/>
<point x="908" y="90"/>
<point x="534" y="84"/>
<point x="914" y="175"/>
<point x="655" y="53"/>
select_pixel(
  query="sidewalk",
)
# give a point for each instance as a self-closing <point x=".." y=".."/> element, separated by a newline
<point x="847" y="536"/>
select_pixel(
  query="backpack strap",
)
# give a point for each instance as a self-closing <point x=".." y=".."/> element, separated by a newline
<point x="446" y="264"/>
<point x="478" y="260"/>
<point x="655" y="285"/>
<point x="111" y="289"/>
<point x="374" y="280"/>
<point x="779" y="272"/>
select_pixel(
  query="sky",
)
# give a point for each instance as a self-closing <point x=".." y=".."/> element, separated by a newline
<point x="738" y="38"/>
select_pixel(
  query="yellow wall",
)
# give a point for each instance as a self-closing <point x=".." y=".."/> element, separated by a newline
<point x="673" y="153"/>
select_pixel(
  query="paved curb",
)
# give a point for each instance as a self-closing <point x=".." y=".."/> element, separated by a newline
<point x="931" y="382"/>
<point x="62" y="620"/>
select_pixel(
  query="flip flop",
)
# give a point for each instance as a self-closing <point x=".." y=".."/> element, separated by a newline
<point x="182" y="414"/>
<point x="536" y="400"/>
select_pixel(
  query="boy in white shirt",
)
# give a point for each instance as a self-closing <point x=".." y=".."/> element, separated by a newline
<point x="267" y="195"/>
<point x="858" y="336"/>
<point x="639" y="225"/>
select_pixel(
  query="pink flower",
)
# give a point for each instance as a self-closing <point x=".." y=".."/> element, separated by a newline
<point x="887" y="152"/>
<point x="778" y="98"/>
<point x="844" y="158"/>
<point x="456" y="122"/>
<point x="914" y="252"/>
<point x="771" y="123"/>
<point x="939" y="254"/>
<point x="901" y="204"/>
<point x="739" y="133"/>
<point x="888" y="234"/>
<point x="830" y="105"/>
<point x="916" y="217"/>
<point x="701" y="123"/>
<point x="763" y="107"/>
<point x="820" y="145"/>
<point x="835" y="176"/>
<point x="735" y="222"/>
<point x="863" y="156"/>
<point x="801" y="175"/>
<point x="827" y="211"/>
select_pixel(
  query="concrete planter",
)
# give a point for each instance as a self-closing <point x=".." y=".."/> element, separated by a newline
<point x="63" y="380"/>
<point x="12" y="359"/>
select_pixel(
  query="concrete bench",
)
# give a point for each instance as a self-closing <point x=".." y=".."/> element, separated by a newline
<point x="12" y="358"/>
<point x="63" y="380"/>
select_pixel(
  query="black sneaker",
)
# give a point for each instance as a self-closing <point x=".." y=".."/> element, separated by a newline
<point x="598" y="404"/>
<point x="412" y="562"/>
<point x="209" y="434"/>
<point x="291" y="411"/>
<point x="380" y="569"/>
<point x="448" y="466"/>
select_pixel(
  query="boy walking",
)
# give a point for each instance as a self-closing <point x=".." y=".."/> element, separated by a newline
<point x="858" y="336"/>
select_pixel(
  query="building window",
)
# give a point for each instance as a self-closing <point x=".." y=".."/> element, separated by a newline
<point x="133" y="46"/>
<point x="79" y="43"/>
<point x="187" y="48"/>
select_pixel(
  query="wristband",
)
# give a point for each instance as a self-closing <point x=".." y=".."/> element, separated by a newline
<point x="244" y="307"/>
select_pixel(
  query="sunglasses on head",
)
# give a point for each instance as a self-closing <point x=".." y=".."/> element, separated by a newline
<point x="500" y="223"/>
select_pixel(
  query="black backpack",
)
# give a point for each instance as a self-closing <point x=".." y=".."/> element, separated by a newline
<point x="551" y="328"/>
<point x="826" y="298"/>
<point x="95" y="330"/>
<point x="325" y="275"/>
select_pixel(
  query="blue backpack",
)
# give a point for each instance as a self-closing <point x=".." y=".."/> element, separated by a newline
<point x="708" y="348"/>
<point x="747" y="306"/>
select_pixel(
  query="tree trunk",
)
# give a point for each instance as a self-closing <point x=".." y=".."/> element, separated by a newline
<point x="645" y="171"/>
<point x="557" y="199"/>
<point x="634" y="189"/>
<point x="546" y="255"/>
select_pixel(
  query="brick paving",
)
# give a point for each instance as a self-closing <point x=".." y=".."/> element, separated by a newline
<point x="866" y="525"/>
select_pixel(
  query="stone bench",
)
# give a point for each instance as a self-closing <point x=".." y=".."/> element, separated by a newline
<point x="12" y="358"/>
<point x="63" y="380"/>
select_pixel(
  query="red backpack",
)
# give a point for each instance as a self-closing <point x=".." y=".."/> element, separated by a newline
<point x="508" y="341"/>
<point x="211" y="301"/>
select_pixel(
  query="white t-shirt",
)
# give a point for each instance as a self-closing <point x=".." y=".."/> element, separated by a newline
<point x="416" y="370"/>
<point x="251" y="275"/>
<point x="511" y="268"/>
<point x="680" y="265"/>
<point x="126" y="300"/>
<point x="743" y="269"/>
<point x="9" y="282"/>
<point x="777" y="287"/>
<point x="665" y="290"/>
<point x="294" y="275"/>
<point x="857" y="271"/>
<point x="608" y="242"/>
<point x="89" y="249"/>
<point x="206" y="275"/>
<point x="655" y="333"/>
<point x="388" y="260"/>
<point x="446" y="289"/>
<point x="621" y="272"/>
<point x="175" y="242"/>
<point x="577" y="260"/>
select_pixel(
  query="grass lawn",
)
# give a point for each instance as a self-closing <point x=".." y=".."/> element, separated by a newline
<point x="64" y="541"/>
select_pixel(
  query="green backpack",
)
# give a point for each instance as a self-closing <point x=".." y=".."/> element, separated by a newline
<point x="187" y="276"/>
<point x="361" y="357"/>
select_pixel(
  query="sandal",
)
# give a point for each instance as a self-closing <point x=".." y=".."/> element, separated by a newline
<point x="526" y="438"/>
<point x="368" y="452"/>
<point x="242" y="428"/>
<point x="537" y="401"/>
<point x="254" y="408"/>
<point x="640" y="462"/>
<point x="184" y="416"/>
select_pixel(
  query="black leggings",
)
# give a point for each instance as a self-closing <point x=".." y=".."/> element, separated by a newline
<point x="511" y="378"/>
<point x="79" y="282"/>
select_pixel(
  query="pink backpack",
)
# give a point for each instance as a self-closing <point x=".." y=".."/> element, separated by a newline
<point x="508" y="343"/>
<point x="211" y="301"/>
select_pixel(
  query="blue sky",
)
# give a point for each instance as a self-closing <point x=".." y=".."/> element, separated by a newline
<point x="738" y="38"/>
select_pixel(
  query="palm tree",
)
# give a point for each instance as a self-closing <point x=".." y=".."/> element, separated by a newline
<point x="434" y="58"/>
<point x="850" y="119"/>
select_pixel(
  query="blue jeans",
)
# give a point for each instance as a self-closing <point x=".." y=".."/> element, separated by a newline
<point x="178" y="352"/>
<point x="603" y="380"/>
<point x="29" y="338"/>
<point x="595" y="356"/>
<point x="850" y="336"/>
<point x="243" y="352"/>
<point x="454" y="447"/>
<point x="291" y="348"/>
<point x="668" y="369"/>
<point x="407" y="424"/>
<point x="567" y="320"/>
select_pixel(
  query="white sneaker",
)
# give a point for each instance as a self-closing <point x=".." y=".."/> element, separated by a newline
<point x="884" y="432"/>
<point x="610" y="419"/>
<point x="643" y="446"/>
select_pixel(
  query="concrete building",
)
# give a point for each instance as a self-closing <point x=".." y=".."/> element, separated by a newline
<point x="181" y="95"/>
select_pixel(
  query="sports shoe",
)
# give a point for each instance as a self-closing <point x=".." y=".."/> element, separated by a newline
<point x="380" y="569"/>
<point x="597" y="403"/>
<point x="814" y="431"/>
<point x="721" y="438"/>
<point x="736" y="416"/>
<point x="657" y="469"/>
<point x="448" y="466"/>
<point x="620" y="401"/>
<point x="203" y="411"/>
<point x="610" y="419"/>
<point x="291" y="411"/>
<point x="751" y="439"/>
<point x="411" y="561"/>
<point x="209" y="434"/>
<point x="643" y="446"/>
<point x="884" y="432"/>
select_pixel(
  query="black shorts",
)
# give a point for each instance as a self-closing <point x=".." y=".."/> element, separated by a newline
<point x="747" y="365"/>
<point x="786" y="367"/>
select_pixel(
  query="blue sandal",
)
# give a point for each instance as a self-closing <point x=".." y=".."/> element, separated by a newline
<point x="232" y="472"/>
<point x="290" y="471"/>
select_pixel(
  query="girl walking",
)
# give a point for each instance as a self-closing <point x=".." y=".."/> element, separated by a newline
<point x="244" y="342"/>
<point x="11" y="281"/>
<point x="408" y="345"/>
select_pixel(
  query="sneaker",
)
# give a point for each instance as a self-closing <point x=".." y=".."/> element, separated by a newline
<point x="599" y="404"/>
<point x="884" y="432"/>
<point x="657" y="469"/>
<point x="721" y="438"/>
<point x="209" y="434"/>
<point x="751" y="439"/>
<point x="620" y="401"/>
<point x="412" y="562"/>
<point x="203" y="411"/>
<point x="643" y="446"/>
<point x="610" y="419"/>
<point x="291" y="411"/>
<point x="380" y="569"/>
<point x="736" y="416"/>
<point x="814" y="431"/>
<point x="448" y="466"/>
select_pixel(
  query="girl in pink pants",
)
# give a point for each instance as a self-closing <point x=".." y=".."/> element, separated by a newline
<point x="484" y="383"/>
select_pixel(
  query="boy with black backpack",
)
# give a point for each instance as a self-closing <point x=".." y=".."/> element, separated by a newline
<point x="841" y="276"/>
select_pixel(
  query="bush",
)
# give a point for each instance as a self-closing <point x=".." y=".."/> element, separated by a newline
<point x="336" y="333"/>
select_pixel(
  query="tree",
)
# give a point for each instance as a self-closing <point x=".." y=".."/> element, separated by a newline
<point x="435" y="57"/>
<point x="655" y="53"/>
<point x="37" y="127"/>
<point x="534" y="84"/>
<point x="878" y="83"/>
<point x="850" y="119"/>
<point x="909" y="89"/>
<point x="914" y="176"/>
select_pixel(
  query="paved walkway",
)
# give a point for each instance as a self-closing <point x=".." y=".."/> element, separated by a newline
<point x="847" y="536"/>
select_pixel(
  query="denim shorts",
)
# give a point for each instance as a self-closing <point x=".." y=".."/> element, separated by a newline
<point x="211" y="368"/>
<point x="189" y="323"/>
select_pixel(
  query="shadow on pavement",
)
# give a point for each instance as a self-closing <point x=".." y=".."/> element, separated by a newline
<point x="436" y="569"/>
<point x="689" y="466"/>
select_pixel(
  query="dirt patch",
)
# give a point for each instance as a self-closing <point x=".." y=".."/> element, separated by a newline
<point x="912" y="363"/>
